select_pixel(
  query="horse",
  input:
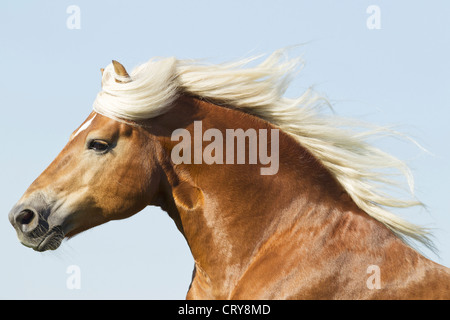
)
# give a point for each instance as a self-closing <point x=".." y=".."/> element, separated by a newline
<point x="310" y="221"/>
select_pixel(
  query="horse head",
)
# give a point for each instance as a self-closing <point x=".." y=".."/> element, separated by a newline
<point x="94" y="179"/>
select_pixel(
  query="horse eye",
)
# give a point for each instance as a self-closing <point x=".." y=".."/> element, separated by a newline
<point x="98" y="145"/>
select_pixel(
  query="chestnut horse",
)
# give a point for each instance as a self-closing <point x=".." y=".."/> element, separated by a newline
<point x="314" y="225"/>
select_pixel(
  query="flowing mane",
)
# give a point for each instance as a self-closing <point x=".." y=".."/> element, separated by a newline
<point x="259" y="90"/>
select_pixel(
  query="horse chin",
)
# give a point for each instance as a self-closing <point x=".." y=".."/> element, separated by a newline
<point x="51" y="240"/>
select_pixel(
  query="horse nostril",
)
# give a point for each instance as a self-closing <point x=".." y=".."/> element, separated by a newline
<point x="25" y="217"/>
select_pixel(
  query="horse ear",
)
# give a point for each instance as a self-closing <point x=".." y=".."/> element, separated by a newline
<point x="120" y="71"/>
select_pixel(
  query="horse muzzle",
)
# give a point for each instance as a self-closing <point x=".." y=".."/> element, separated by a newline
<point x="30" y="220"/>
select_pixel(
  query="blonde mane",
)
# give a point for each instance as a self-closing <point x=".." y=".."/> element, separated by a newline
<point x="363" y="170"/>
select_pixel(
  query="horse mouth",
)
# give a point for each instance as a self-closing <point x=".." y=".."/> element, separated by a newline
<point x="51" y="240"/>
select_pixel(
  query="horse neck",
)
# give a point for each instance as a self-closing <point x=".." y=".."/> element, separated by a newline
<point x="231" y="215"/>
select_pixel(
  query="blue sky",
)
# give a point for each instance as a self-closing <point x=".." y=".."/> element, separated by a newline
<point x="396" y="75"/>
